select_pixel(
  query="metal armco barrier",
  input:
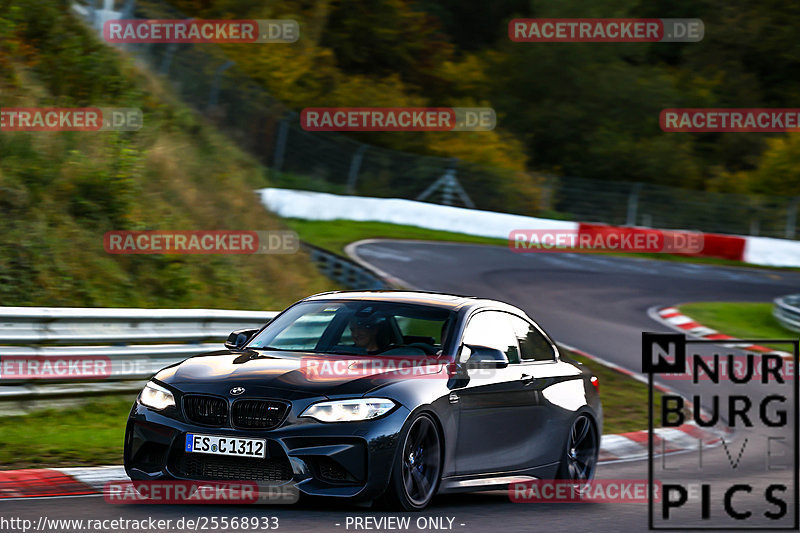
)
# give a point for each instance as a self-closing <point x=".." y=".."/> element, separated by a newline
<point x="70" y="325"/>
<point x="136" y="343"/>
<point x="787" y="310"/>
<point x="347" y="273"/>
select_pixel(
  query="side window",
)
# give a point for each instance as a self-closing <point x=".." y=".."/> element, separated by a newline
<point x="532" y="344"/>
<point x="419" y="327"/>
<point x="493" y="329"/>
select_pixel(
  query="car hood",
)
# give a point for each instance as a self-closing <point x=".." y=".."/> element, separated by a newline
<point x="295" y="374"/>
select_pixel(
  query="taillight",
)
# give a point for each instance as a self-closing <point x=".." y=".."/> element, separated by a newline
<point x="596" y="383"/>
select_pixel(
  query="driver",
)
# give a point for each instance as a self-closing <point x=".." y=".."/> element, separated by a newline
<point x="365" y="333"/>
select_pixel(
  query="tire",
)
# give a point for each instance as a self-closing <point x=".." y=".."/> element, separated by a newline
<point x="579" y="458"/>
<point x="417" y="467"/>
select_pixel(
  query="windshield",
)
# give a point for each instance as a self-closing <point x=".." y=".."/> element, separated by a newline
<point x="357" y="328"/>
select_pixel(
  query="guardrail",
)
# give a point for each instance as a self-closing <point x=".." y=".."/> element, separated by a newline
<point x="136" y="343"/>
<point x="786" y="310"/>
<point x="344" y="271"/>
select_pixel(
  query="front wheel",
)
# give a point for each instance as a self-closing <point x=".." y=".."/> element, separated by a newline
<point x="417" y="467"/>
<point x="579" y="459"/>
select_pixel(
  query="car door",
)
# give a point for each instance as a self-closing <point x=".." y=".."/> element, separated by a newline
<point x="540" y="369"/>
<point x="495" y="406"/>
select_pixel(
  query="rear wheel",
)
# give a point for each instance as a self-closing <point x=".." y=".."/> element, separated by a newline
<point x="417" y="467"/>
<point x="579" y="459"/>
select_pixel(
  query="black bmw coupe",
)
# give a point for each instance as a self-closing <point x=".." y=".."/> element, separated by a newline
<point x="378" y="395"/>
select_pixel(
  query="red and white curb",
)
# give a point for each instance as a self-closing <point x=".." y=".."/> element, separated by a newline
<point x="673" y="318"/>
<point x="51" y="482"/>
<point x="633" y="446"/>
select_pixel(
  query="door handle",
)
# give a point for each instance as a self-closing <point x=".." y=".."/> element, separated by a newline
<point x="453" y="398"/>
<point x="526" y="376"/>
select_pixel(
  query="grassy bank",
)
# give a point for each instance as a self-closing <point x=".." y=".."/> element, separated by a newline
<point x="60" y="192"/>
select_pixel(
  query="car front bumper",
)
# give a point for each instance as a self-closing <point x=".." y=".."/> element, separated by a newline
<point x="350" y="459"/>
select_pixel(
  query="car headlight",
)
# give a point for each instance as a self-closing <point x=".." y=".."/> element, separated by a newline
<point x="156" y="396"/>
<point x="349" y="410"/>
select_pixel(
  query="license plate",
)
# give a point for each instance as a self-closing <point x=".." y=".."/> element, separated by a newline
<point x="230" y="446"/>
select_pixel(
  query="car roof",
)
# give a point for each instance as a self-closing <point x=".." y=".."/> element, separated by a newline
<point x="435" y="299"/>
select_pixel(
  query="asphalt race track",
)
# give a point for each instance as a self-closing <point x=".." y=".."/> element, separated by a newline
<point x="596" y="303"/>
<point x="593" y="302"/>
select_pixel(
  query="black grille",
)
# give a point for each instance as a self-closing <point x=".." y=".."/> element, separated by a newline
<point x="196" y="466"/>
<point x="260" y="414"/>
<point x="206" y="410"/>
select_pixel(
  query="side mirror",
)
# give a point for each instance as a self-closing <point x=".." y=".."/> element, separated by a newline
<point x="239" y="338"/>
<point x="485" y="357"/>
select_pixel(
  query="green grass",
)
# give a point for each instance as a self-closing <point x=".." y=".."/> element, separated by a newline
<point x="334" y="235"/>
<point x="624" y="399"/>
<point x="89" y="434"/>
<point x="92" y="433"/>
<point x="743" y="320"/>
